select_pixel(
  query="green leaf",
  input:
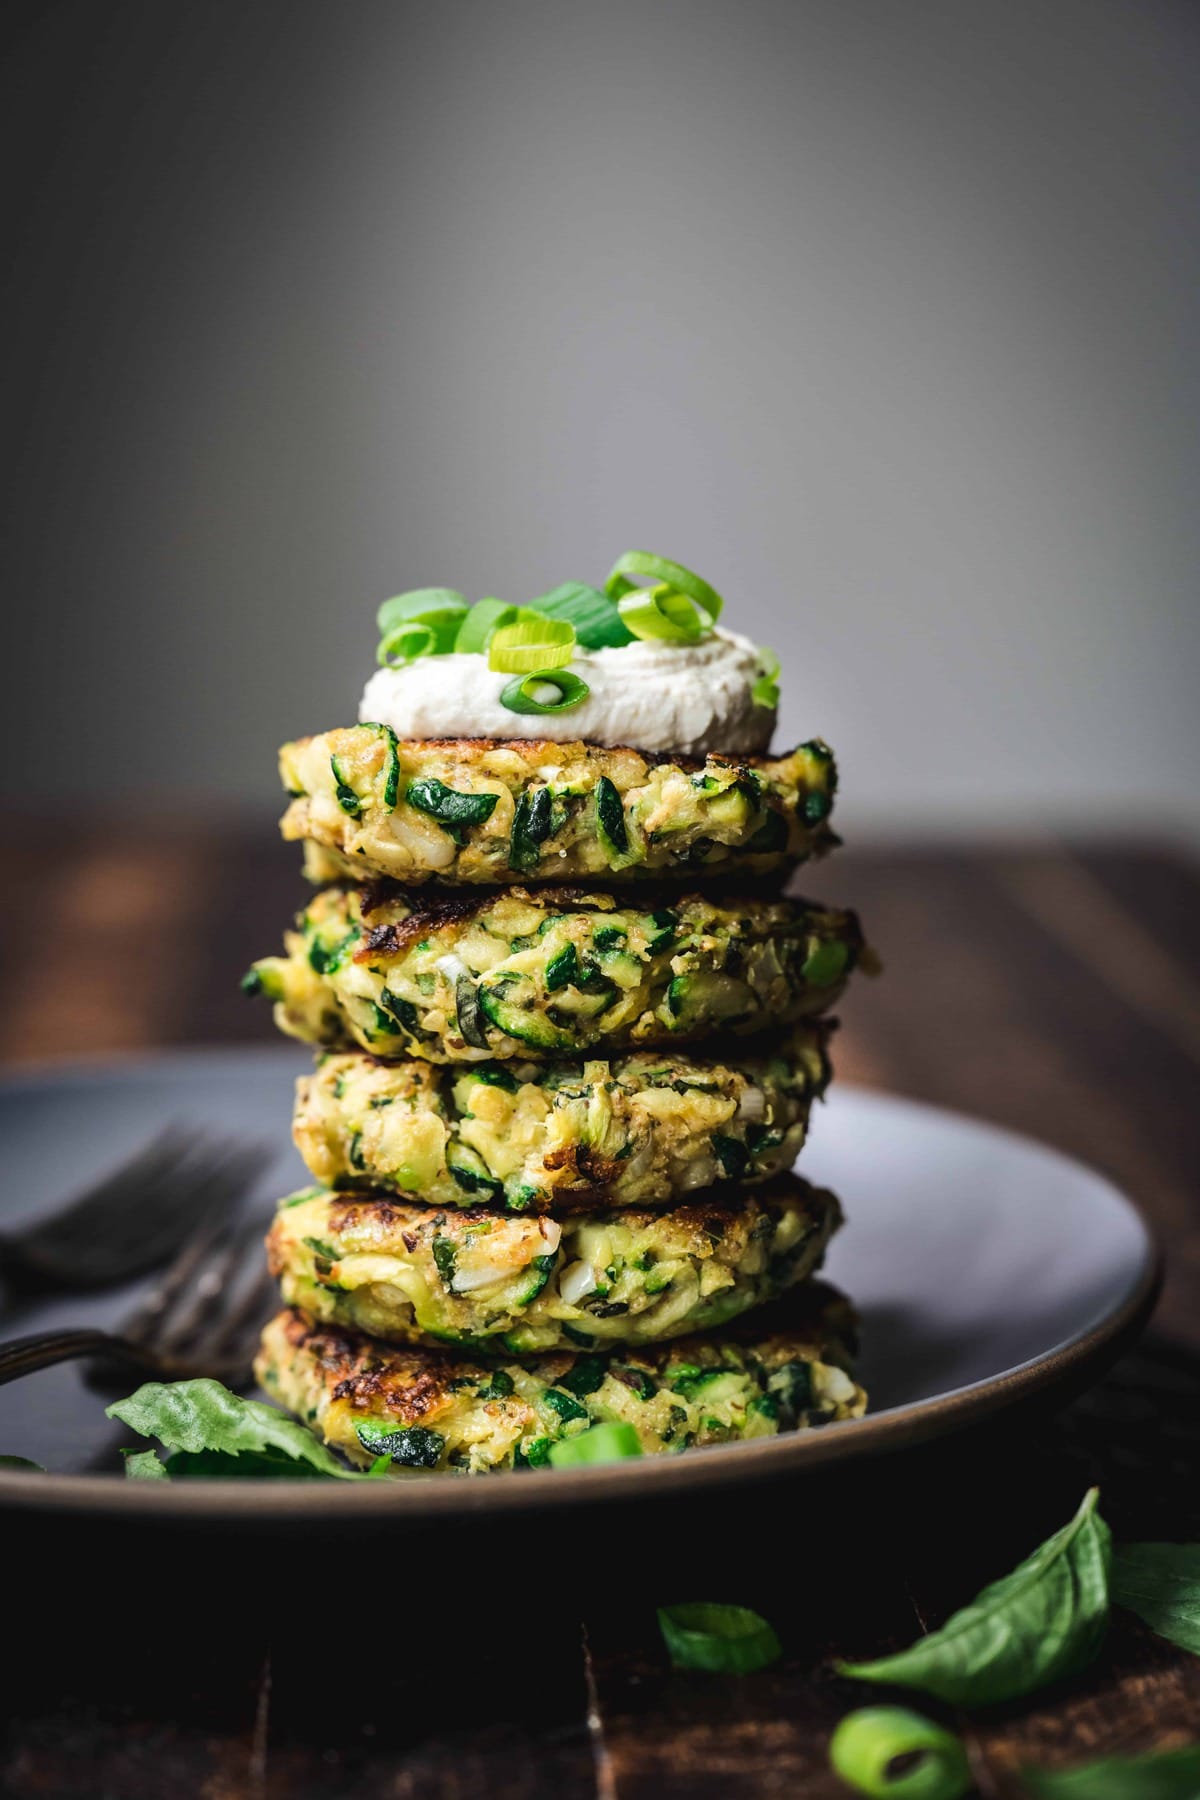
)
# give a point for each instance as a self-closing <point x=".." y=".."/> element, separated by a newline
<point x="1162" y="1775"/>
<point x="144" y="1465"/>
<point x="1161" y="1584"/>
<point x="594" y="615"/>
<point x="1043" y="1622"/>
<point x="21" y="1462"/>
<point x="867" y="1743"/>
<point x="201" y="1415"/>
<point x="720" y="1639"/>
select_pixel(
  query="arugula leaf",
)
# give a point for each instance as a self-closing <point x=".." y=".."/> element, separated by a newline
<point x="1164" y="1775"/>
<point x="194" y="1419"/>
<point x="1161" y="1584"/>
<point x="21" y="1462"/>
<point x="1044" y="1621"/>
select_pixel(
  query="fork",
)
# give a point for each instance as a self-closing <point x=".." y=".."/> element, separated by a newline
<point x="133" y="1219"/>
<point x="203" y="1318"/>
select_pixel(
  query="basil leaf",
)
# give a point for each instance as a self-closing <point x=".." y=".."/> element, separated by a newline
<point x="200" y="1416"/>
<point x="144" y="1465"/>
<point x="1161" y="1584"/>
<point x="1044" y="1621"/>
<point x="1163" y="1775"/>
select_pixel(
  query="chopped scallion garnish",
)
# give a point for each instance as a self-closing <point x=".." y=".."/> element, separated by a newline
<point x="639" y="567"/>
<point x="530" y="644"/>
<point x="723" y="1640"/>
<point x="479" y="623"/>
<point x="765" y="691"/>
<point x="544" y="691"/>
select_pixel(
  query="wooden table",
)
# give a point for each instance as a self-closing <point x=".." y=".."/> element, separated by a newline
<point x="1056" y="992"/>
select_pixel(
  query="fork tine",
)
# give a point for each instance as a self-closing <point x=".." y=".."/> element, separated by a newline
<point x="181" y="1330"/>
<point x="223" y="1169"/>
<point x="160" y="1216"/>
<point x="101" y="1206"/>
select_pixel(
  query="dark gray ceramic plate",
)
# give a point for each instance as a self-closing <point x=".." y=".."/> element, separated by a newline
<point x="987" y="1269"/>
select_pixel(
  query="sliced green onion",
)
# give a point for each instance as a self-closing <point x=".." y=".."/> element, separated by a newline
<point x="416" y="604"/>
<point x="645" y="567"/>
<point x="479" y="622"/>
<point x="765" y="691"/>
<point x="598" y="625"/>
<point x="544" y="691"/>
<point x="404" y="644"/>
<point x="380" y="1466"/>
<point x="724" y="1640"/>
<point x="867" y="1743"/>
<point x="664" y="614"/>
<point x="611" y="1442"/>
<point x="531" y="644"/>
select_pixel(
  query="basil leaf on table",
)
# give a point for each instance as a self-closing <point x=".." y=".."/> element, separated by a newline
<point x="1161" y="1584"/>
<point x="1044" y="1621"/>
<point x="1163" y="1775"/>
<point x="199" y="1421"/>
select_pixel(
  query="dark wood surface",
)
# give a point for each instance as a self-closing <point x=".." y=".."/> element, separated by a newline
<point x="1055" y="991"/>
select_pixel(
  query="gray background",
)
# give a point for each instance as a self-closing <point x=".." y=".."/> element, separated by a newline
<point x="880" y="314"/>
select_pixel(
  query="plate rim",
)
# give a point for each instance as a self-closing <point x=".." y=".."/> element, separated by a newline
<point x="1063" y="1365"/>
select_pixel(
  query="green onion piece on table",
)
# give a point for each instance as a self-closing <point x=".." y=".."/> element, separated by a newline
<point x="545" y="691"/>
<point x="611" y="1442"/>
<point x="531" y="644"/>
<point x="722" y="1640"/>
<point x="866" y="1745"/>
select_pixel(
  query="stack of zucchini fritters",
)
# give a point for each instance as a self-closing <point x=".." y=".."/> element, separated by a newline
<point x="560" y="1093"/>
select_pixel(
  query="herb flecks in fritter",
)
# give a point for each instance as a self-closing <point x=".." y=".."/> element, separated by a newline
<point x="478" y="811"/>
<point x="786" y="1369"/>
<point x="635" y="1130"/>
<point x="550" y="973"/>
<point x="404" y="1272"/>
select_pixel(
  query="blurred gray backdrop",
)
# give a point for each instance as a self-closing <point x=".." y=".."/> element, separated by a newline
<point x="880" y="314"/>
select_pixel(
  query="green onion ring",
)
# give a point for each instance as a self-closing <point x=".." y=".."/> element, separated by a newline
<point x="404" y="644"/>
<point x="723" y="1640"/>
<point x="867" y="1742"/>
<point x="765" y="691"/>
<point x="479" y="623"/>
<point x="645" y="567"/>
<point x="571" y="688"/>
<point x="664" y="614"/>
<point x="531" y="644"/>
<point x="416" y="604"/>
<point x="612" y="1441"/>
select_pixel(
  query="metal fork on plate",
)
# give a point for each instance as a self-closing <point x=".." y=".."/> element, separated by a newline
<point x="202" y="1318"/>
<point x="132" y="1220"/>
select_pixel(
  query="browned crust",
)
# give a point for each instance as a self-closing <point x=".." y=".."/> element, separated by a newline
<point x="559" y="747"/>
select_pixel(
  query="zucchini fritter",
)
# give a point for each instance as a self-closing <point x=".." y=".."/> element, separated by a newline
<point x="409" y="1273"/>
<point x="476" y="810"/>
<point x="787" y="1369"/>
<point x="548" y="972"/>
<point x="553" y="1137"/>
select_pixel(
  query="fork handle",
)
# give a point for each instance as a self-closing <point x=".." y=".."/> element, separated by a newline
<point x="26" y="1355"/>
